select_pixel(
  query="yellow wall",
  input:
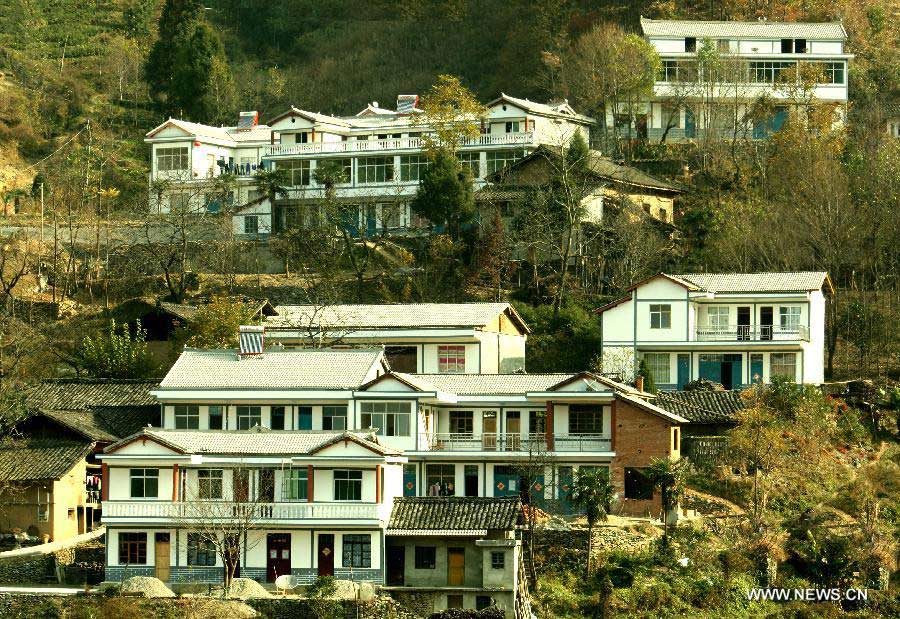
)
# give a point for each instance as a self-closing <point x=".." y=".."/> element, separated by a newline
<point x="66" y="493"/>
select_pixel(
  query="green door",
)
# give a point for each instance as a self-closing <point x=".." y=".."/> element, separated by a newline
<point x="563" y="485"/>
<point x="756" y="368"/>
<point x="409" y="480"/>
<point x="684" y="370"/>
<point x="506" y="481"/>
<point x="304" y="418"/>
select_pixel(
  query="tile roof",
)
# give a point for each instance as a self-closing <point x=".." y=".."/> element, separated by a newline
<point x="391" y="316"/>
<point x="799" y="281"/>
<point x="107" y="424"/>
<point x="659" y="411"/>
<point x="38" y="459"/>
<point x="288" y="369"/>
<point x="454" y="513"/>
<point x="257" y="441"/>
<point x="259" y="133"/>
<point x="72" y="394"/>
<point x="489" y="384"/>
<point x="627" y="175"/>
<point x="702" y="406"/>
<point x="750" y="29"/>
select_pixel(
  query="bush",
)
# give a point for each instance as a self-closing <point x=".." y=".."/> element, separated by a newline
<point x="322" y="587"/>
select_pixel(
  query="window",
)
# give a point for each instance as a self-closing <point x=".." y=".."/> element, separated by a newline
<point x="357" y="550"/>
<point x="172" y="159"/>
<point x="537" y="422"/>
<point x="512" y="126"/>
<point x="499" y="159"/>
<point x="144" y="483"/>
<point x="769" y="71"/>
<point x="658" y="364"/>
<point x="790" y="317"/>
<point x="452" y="359"/>
<point x="179" y="202"/>
<point x="277" y="418"/>
<point x="833" y="73"/>
<point x="295" y="486"/>
<point x="717" y="317"/>
<point x="723" y="45"/>
<point x="676" y="439"/>
<point x="412" y="167"/>
<point x="637" y="485"/>
<point x="209" y="484"/>
<point x="392" y="215"/>
<point x="660" y="316"/>
<point x="334" y="417"/>
<point x="297" y="171"/>
<point x="783" y="364"/>
<point x="498" y="560"/>
<point x="670" y="71"/>
<point x="425" y="557"/>
<point x="454" y="601"/>
<point x="690" y="44"/>
<point x="248" y="417"/>
<point x="187" y="417"/>
<point x="375" y="169"/>
<point x="200" y="551"/>
<point x="793" y="46"/>
<point x="472" y="162"/>
<point x="585" y="419"/>
<point x="461" y="422"/>
<point x="132" y="548"/>
<point x="391" y="418"/>
<point x="251" y="224"/>
<point x="347" y="485"/>
<point x="344" y="167"/>
<point x="440" y="479"/>
<point x="483" y="601"/>
<point x="215" y="417"/>
<point x="304" y="417"/>
<point x="670" y="116"/>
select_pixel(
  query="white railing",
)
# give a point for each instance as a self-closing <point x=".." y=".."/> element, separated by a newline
<point x="224" y="510"/>
<point x="391" y="144"/>
<point x="751" y="333"/>
<point x="514" y="442"/>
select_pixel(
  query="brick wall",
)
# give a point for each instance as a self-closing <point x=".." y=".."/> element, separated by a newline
<point x="639" y="436"/>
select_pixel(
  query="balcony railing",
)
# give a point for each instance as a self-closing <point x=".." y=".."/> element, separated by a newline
<point x="752" y="333"/>
<point x="513" y="442"/>
<point x="226" y="510"/>
<point x="390" y="144"/>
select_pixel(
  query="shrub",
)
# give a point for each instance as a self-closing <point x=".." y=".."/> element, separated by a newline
<point x="322" y="587"/>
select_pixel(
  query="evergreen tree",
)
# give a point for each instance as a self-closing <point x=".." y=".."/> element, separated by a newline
<point x="649" y="383"/>
<point x="445" y="196"/>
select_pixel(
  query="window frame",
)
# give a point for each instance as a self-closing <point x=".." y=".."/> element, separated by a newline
<point x="662" y="313"/>
<point x="283" y="416"/>
<point x="200" y="551"/>
<point x="653" y="361"/>
<point x="180" y="159"/>
<point x="210" y="481"/>
<point x="248" y="414"/>
<point x="425" y="557"/>
<point x="471" y="161"/>
<point x="388" y="422"/>
<point x="132" y="541"/>
<point x="714" y="314"/>
<point x="578" y="416"/>
<point x="495" y="564"/>
<point x="295" y="479"/>
<point x="789" y="317"/>
<point x="349" y="481"/>
<point x="142" y="473"/>
<point x="412" y="167"/>
<point x="464" y="417"/>
<point x="251" y="229"/>
<point x="451" y="358"/>
<point x="445" y="478"/>
<point x="356" y="550"/>
<point x="497" y="160"/>
<point x="781" y="357"/>
<point x="188" y="415"/>
<point x="299" y="171"/>
<point x="331" y="416"/>
<point x="375" y="169"/>
<point x="220" y="414"/>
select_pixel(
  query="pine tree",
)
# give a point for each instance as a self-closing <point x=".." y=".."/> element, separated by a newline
<point x="445" y="196"/>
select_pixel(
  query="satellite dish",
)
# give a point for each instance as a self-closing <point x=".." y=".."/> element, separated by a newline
<point x="286" y="581"/>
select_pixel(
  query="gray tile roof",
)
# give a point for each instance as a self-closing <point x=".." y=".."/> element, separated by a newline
<point x="455" y="513"/>
<point x="702" y="406"/>
<point x="72" y="394"/>
<point x="799" y="281"/>
<point x="287" y="369"/>
<point x="39" y="459"/>
<point x="390" y="316"/>
<point x="627" y="175"/>
<point x="670" y="28"/>
<point x="489" y="384"/>
<point x="257" y="441"/>
<point x="109" y="424"/>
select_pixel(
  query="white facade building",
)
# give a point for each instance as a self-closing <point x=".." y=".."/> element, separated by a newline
<point x="381" y="151"/>
<point x="734" y="329"/>
<point x="759" y="59"/>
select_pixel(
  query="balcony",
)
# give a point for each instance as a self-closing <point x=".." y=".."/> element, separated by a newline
<point x="392" y="144"/>
<point x="215" y="511"/>
<point x="533" y="443"/>
<point x="752" y="333"/>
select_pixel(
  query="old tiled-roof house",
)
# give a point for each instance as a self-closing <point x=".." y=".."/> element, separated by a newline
<point x="53" y="482"/>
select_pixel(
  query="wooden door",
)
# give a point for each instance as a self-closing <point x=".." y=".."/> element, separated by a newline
<point x="456" y="566"/>
<point x="162" y="558"/>
<point x="278" y="555"/>
<point x="326" y="554"/>
<point x="489" y="430"/>
<point x="513" y="430"/>
<point x="396" y="565"/>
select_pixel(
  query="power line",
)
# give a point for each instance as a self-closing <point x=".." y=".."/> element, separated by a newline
<point x="62" y="146"/>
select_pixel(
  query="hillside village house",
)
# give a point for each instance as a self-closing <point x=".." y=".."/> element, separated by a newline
<point x="760" y="58"/>
<point x="50" y="479"/>
<point x="381" y="151"/>
<point x="731" y="328"/>
<point x="318" y="444"/>
<point x="459" y="338"/>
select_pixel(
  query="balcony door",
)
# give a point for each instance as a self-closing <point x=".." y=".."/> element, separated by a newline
<point x="266" y="485"/>
<point x="513" y="430"/>
<point x="489" y="430"/>
<point x="743" y="323"/>
<point x="765" y="323"/>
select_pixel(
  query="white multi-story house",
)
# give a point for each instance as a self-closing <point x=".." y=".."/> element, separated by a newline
<point x="439" y="338"/>
<point x="755" y="59"/>
<point x="730" y="328"/>
<point x="381" y="151"/>
<point x="315" y="445"/>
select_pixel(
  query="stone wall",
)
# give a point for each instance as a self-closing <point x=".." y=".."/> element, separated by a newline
<point x="32" y="569"/>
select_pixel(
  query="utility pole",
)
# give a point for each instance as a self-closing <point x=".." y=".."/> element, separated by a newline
<point x="41" y="246"/>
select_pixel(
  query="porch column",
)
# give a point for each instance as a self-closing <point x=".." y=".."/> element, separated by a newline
<point x="104" y="481"/>
<point x="309" y="484"/>
<point x="175" y="482"/>
<point x="378" y="483"/>
<point x="548" y="426"/>
<point x="612" y="425"/>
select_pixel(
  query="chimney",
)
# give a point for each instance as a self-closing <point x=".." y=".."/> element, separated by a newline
<point x="638" y="382"/>
<point x="250" y="340"/>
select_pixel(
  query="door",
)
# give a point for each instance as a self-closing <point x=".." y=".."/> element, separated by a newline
<point x="711" y="367"/>
<point x="690" y="124"/>
<point x="326" y="554"/>
<point x="737" y="371"/>
<point x="456" y="566"/>
<point x="266" y="485"/>
<point x="684" y="370"/>
<point x="765" y="323"/>
<point x="278" y="555"/>
<point x="506" y="481"/>
<point x="513" y="431"/>
<point x="371" y="220"/>
<point x="725" y="370"/>
<point x="396" y="565"/>
<point x="470" y="478"/>
<point x="743" y="323"/>
<point x="489" y="430"/>
<point x="161" y="551"/>
<point x="409" y="480"/>
<point x="564" y="485"/>
<point x="756" y="368"/>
